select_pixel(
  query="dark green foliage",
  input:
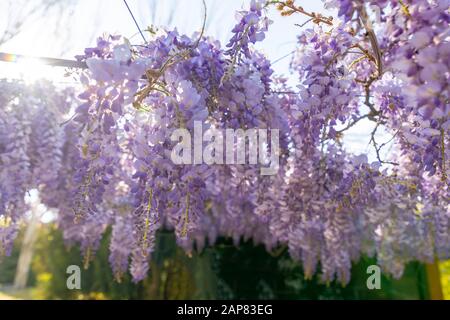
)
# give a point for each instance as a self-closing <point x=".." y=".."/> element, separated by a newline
<point x="223" y="271"/>
<point x="54" y="257"/>
<point x="249" y="272"/>
<point x="173" y="275"/>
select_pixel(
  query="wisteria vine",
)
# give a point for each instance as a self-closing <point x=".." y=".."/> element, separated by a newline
<point x="385" y="61"/>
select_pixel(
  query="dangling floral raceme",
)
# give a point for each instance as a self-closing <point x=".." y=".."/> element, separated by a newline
<point x="30" y="147"/>
<point x="250" y="29"/>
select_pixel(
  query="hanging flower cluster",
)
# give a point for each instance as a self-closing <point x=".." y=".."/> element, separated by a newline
<point x="112" y="164"/>
<point x="31" y="147"/>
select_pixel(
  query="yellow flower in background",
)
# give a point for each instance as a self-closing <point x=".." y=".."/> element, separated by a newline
<point x="444" y="268"/>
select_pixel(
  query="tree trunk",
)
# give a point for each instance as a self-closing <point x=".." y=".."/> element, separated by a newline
<point x="26" y="252"/>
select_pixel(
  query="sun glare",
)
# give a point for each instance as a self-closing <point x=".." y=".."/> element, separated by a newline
<point x="29" y="70"/>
